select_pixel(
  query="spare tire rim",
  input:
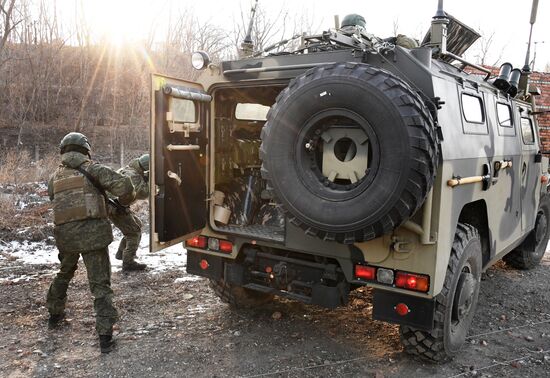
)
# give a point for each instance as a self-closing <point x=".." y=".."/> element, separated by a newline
<point x="337" y="154"/>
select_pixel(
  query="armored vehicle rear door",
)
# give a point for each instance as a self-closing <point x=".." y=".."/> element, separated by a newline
<point x="530" y="170"/>
<point x="178" y="160"/>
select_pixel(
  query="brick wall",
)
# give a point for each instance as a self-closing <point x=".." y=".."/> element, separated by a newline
<point x="542" y="81"/>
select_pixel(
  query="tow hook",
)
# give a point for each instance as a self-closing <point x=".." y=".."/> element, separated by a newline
<point x="280" y="274"/>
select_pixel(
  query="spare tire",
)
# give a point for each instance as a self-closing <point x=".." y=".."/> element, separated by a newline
<point x="350" y="152"/>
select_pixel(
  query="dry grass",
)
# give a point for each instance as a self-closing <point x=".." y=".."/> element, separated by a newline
<point x="16" y="167"/>
<point x="29" y="224"/>
<point x="23" y="208"/>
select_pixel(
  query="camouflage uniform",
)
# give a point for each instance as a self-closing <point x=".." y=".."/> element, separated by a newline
<point x="127" y="222"/>
<point x="82" y="228"/>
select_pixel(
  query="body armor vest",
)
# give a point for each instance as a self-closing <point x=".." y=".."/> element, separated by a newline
<point x="75" y="197"/>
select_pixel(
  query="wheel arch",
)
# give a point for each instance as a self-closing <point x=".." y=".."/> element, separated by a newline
<point x="475" y="214"/>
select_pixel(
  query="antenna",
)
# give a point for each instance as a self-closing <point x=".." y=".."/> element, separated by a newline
<point x="440" y="12"/>
<point x="534" y="7"/>
<point x="526" y="70"/>
<point x="438" y="29"/>
<point x="247" y="46"/>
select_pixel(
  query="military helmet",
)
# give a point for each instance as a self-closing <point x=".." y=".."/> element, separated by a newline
<point x="354" y="20"/>
<point x="74" y="141"/>
<point x="143" y="161"/>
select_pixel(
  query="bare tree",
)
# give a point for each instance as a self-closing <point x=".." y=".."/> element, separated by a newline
<point x="8" y="23"/>
<point x="185" y="33"/>
<point x="486" y="49"/>
<point x="395" y="26"/>
<point x="266" y="29"/>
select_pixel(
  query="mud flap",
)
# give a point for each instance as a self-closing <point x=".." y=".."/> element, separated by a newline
<point x="330" y="296"/>
<point x="420" y="315"/>
<point x="213" y="268"/>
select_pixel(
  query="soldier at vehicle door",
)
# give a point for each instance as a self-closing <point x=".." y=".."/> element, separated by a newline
<point x="126" y="221"/>
<point x="77" y="189"/>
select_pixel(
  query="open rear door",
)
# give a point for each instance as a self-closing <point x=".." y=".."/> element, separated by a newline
<point x="178" y="207"/>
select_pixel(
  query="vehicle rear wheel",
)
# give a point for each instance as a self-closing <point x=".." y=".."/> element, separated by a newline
<point x="455" y="305"/>
<point x="350" y="151"/>
<point x="239" y="297"/>
<point x="529" y="254"/>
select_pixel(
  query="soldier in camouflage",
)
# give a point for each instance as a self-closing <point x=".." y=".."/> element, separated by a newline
<point x="126" y="221"/>
<point x="77" y="189"/>
<point x="353" y="22"/>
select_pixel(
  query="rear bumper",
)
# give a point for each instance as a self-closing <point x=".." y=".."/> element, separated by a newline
<point x="308" y="282"/>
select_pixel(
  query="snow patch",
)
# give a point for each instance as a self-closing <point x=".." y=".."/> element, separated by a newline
<point x="33" y="253"/>
<point x="174" y="257"/>
<point x="41" y="253"/>
<point x="26" y="278"/>
<point x="188" y="279"/>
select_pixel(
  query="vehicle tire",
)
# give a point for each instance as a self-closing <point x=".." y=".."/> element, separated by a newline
<point x="239" y="297"/>
<point x="389" y="127"/>
<point x="530" y="252"/>
<point x="455" y="305"/>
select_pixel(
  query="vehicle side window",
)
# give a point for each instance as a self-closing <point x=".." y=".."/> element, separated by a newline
<point x="504" y="115"/>
<point x="527" y="131"/>
<point x="472" y="108"/>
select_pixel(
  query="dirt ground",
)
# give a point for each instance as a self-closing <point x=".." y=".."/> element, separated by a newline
<point x="172" y="325"/>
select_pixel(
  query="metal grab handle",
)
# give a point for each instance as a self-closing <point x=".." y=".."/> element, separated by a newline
<point x="467" y="180"/>
<point x="183" y="147"/>
<point x="174" y="176"/>
<point x="186" y="94"/>
<point x="503" y="164"/>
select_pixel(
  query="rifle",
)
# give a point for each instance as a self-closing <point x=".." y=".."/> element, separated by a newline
<point x="111" y="201"/>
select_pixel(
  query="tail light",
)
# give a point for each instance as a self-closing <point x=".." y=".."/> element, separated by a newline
<point x="197" y="242"/>
<point x="365" y="272"/>
<point x="403" y="280"/>
<point x="226" y="246"/>
<point x="212" y="244"/>
<point x="410" y="281"/>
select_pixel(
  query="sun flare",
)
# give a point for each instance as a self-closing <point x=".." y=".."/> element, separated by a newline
<point x="119" y="21"/>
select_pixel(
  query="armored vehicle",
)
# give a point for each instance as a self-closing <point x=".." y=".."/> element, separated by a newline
<point x="353" y="161"/>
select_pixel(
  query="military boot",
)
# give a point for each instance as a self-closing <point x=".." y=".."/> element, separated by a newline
<point x="106" y="343"/>
<point x="120" y="250"/>
<point x="133" y="266"/>
<point x="55" y="320"/>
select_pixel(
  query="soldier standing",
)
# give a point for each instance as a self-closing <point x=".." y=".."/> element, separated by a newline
<point x="77" y="189"/>
<point x="125" y="220"/>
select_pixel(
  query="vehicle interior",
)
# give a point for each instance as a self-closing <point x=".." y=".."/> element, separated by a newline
<point x="245" y="206"/>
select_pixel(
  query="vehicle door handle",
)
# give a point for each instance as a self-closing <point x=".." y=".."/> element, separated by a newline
<point x="183" y="147"/>
<point x="174" y="176"/>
